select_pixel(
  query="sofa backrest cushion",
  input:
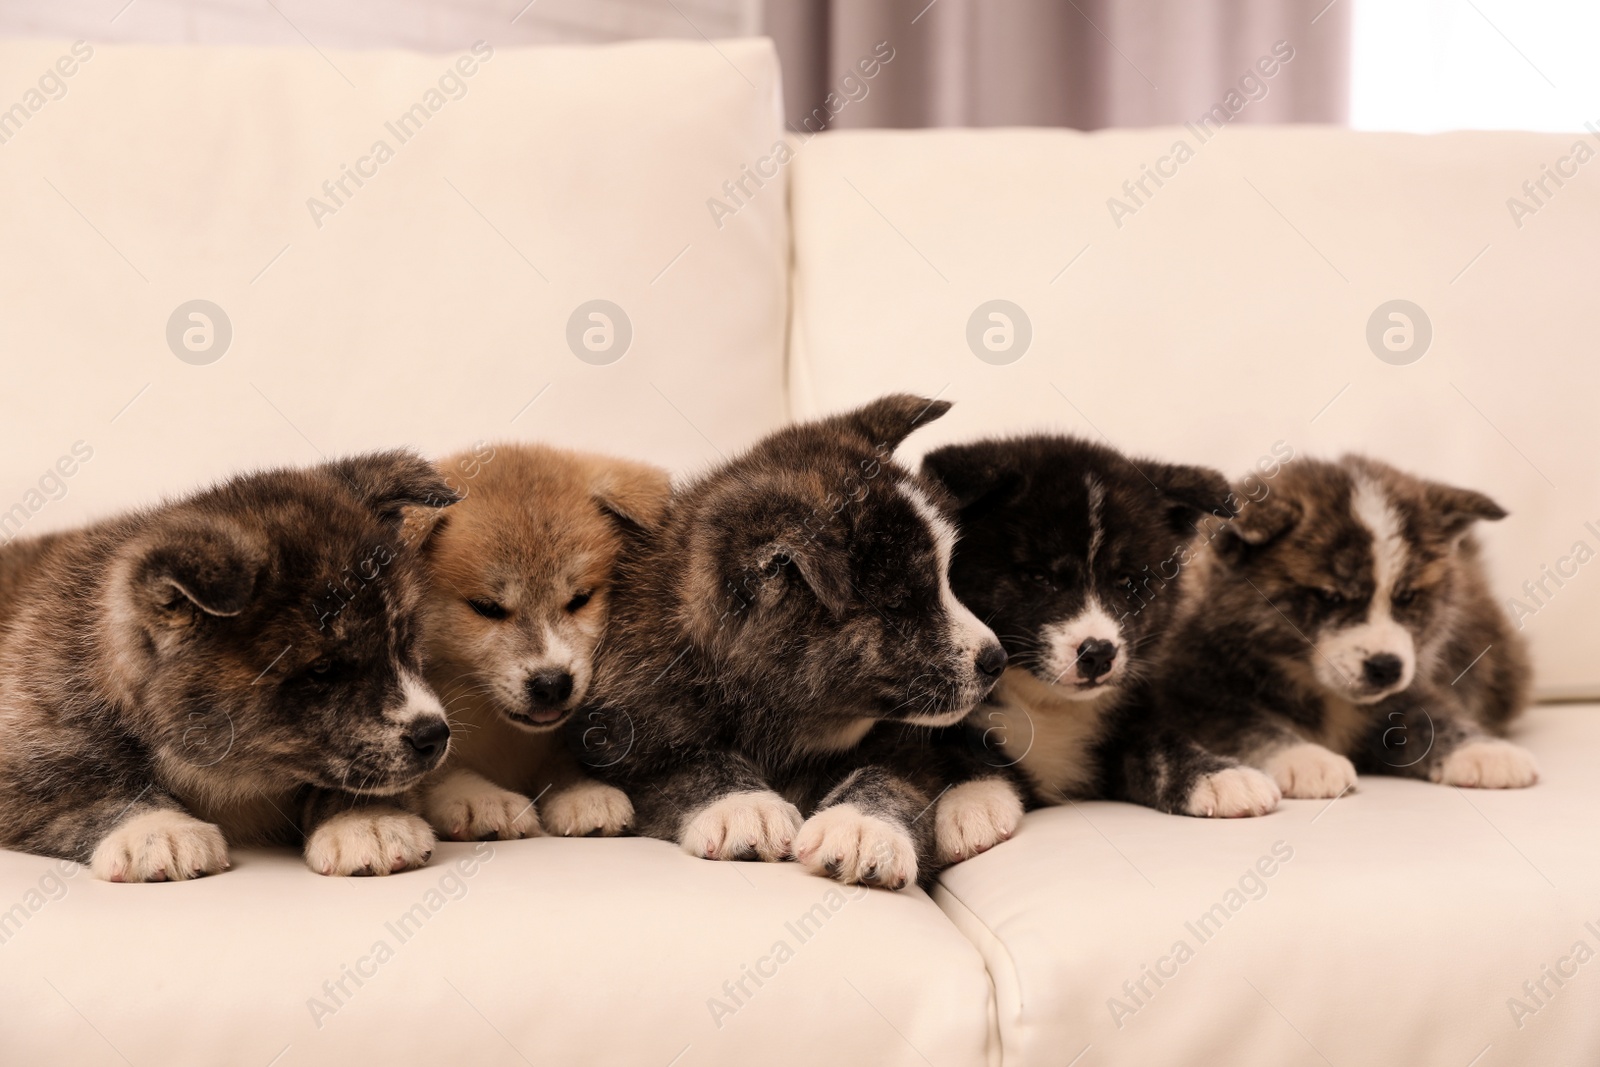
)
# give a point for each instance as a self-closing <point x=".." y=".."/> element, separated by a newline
<point x="405" y="249"/>
<point x="1202" y="293"/>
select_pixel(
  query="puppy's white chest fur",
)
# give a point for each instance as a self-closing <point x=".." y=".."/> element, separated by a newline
<point x="1050" y="736"/>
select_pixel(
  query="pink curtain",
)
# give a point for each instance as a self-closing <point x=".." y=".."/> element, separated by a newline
<point x="1080" y="63"/>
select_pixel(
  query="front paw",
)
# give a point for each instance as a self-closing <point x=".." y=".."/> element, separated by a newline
<point x="468" y="808"/>
<point x="1233" y="793"/>
<point x="1309" y="771"/>
<point x="369" y="841"/>
<point x="973" y="817"/>
<point x="846" y="843"/>
<point x="159" y="846"/>
<point x="1488" y="763"/>
<point x="742" y="826"/>
<point x="588" y="808"/>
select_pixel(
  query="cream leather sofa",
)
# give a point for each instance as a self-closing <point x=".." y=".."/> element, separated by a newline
<point x="443" y="295"/>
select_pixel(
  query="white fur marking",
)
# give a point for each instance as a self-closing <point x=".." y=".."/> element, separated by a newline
<point x="967" y="632"/>
<point x="1309" y="771"/>
<point x="1097" y="531"/>
<point x="1344" y="652"/>
<point x="1233" y="793"/>
<point x="726" y="828"/>
<point x="846" y="843"/>
<point x="159" y="846"/>
<point x="463" y="806"/>
<point x="588" y="808"/>
<point x="369" y="840"/>
<point x="1488" y="763"/>
<point x="973" y="817"/>
<point x="1062" y="640"/>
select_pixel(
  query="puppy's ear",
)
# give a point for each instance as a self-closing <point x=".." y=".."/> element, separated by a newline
<point x="974" y="475"/>
<point x="1453" y="510"/>
<point x="389" y="482"/>
<point x="1260" y="522"/>
<point x="1191" y="492"/>
<point x="823" y="567"/>
<point x="211" y="564"/>
<point x="420" y="527"/>
<point x="635" y="493"/>
<point x="888" y="420"/>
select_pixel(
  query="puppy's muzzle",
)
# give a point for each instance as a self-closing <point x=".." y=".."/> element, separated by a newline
<point x="1095" y="658"/>
<point x="549" y="695"/>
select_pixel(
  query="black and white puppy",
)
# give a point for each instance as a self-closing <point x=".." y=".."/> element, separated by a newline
<point x="769" y="640"/>
<point x="1077" y="556"/>
<point x="1346" y="623"/>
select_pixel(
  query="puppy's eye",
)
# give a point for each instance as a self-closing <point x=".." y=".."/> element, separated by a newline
<point x="1039" y="577"/>
<point x="324" y="668"/>
<point x="1405" y="597"/>
<point x="578" y="602"/>
<point x="1126" y="583"/>
<point x="489" y="609"/>
<point x="1330" y="598"/>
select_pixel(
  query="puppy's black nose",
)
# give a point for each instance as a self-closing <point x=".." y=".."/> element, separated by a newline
<point x="1094" y="658"/>
<point x="429" y="737"/>
<point x="549" y="689"/>
<point x="1382" y="670"/>
<point x="991" y="661"/>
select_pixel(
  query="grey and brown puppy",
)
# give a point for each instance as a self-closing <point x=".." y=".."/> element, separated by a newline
<point x="1346" y="624"/>
<point x="235" y="667"/>
<point x="774" y="640"/>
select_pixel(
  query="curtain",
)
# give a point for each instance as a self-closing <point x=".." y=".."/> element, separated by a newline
<point x="1086" y="64"/>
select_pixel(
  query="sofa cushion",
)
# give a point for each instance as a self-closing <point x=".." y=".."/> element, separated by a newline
<point x="1230" y="308"/>
<point x="430" y="304"/>
<point x="542" y="951"/>
<point x="1397" y="924"/>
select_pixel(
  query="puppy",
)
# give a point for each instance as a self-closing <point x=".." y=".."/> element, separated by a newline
<point x="236" y="667"/>
<point x="1347" y="623"/>
<point x="788" y="621"/>
<point x="1077" y="555"/>
<point x="519" y="584"/>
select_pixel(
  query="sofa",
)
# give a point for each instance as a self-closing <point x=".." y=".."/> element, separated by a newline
<point x="217" y="258"/>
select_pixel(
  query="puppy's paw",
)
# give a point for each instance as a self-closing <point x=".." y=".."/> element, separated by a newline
<point x="159" y="846"/>
<point x="1488" y="763"/>
<point x="742" y="826"/>
<point x="587" y="808"/>
<point x="1308" y="770"/>
<point x="369" y="841"/>
<point x="973" y="817"/>
<point x="1232" y="793"/>
<point x="846" y="843"/>
<point x="465" y="807"/>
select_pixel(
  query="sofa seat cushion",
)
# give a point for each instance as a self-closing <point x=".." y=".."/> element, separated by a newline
<point x="543" y="951"/>
<point x="1397" y="924"/>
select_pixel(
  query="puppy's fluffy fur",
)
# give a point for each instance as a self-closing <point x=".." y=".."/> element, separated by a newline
<point x="1347" y="624"/>
<point x="520" y="576"/>
<point x="238" y="666"/>
<point x="774" y="642"/>
<point x="1076" y="555"/>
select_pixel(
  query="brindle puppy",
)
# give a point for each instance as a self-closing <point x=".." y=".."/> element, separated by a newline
<point x="1346" y="618"/>
<point x="238" y="666"/>
<point x="770" y="641"/>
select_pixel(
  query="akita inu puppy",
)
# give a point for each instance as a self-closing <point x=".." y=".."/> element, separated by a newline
<point x="770" y="641"/>
<point x="1078" y="557"/>
<point x="520" y="577"/>
<point x="235" y="667"/>
<point x="1346" y="624"/>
